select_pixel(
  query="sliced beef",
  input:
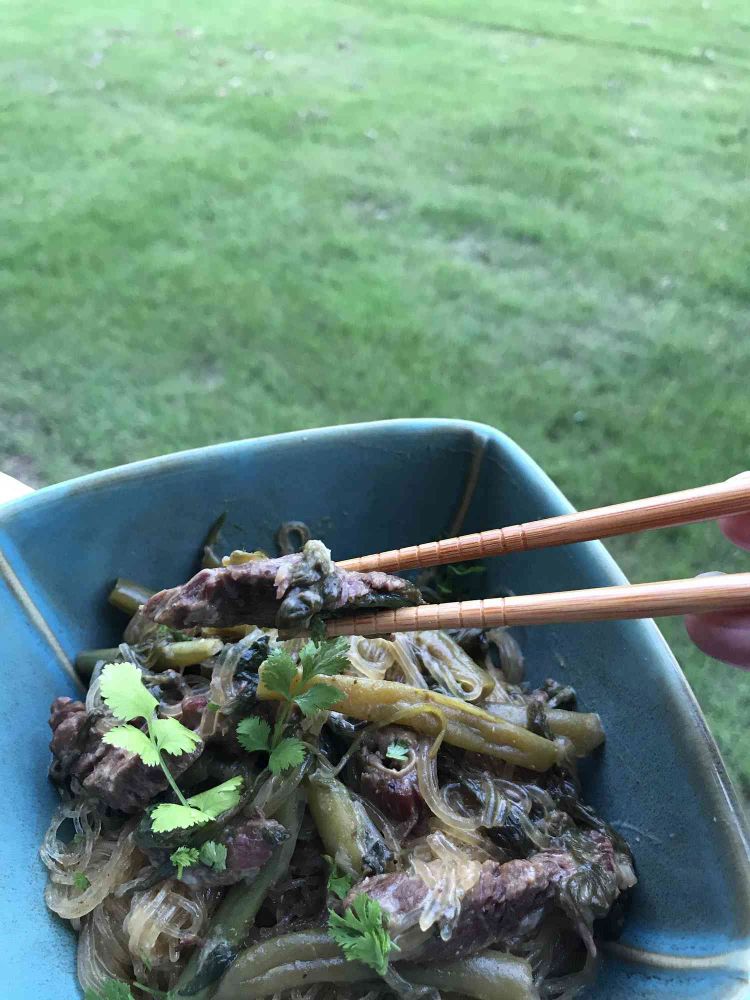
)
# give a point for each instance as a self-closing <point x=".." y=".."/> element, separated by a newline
<point x="117" y="777"/>
<point x="509" y="900"/>
<point x="284" y="592"/>
<point x="391" y="785"/>
<point x="250" y="842"/>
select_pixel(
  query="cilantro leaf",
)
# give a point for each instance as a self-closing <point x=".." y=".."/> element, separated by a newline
<point x="171" y="816"/>
<point x="80" y="881"/>
<point x="214" y="855"/>
<point x="112" y="989"/>
<point x="124" y="693"/>
<point x="183" y="858"/>
<point x="361" y="933"/>
<point x="324" y="658"/>
<point x="172" y="737"/>
<point x="254" y="734"/>
<point x="279" y="672"/>
<point x="133" y="739"/>
<point x="217" y="800"/>
<point x="339" y="883"/>
<point x="320" y="698"/>
<point x="397" y="750"/>
<point x="289" y="753"/>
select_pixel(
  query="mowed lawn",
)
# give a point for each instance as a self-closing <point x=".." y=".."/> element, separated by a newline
<point x="222" y="220"/>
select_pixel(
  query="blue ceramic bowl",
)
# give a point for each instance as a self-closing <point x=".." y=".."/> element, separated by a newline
<point x="363" y="488"/>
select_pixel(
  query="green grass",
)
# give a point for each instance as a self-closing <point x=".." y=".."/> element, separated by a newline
<point x="223" y="221"/>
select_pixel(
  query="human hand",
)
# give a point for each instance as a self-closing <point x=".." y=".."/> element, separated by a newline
<point x="725" y="635"/>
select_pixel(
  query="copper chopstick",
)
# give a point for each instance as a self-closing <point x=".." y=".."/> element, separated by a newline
<point x="683" y="507"/>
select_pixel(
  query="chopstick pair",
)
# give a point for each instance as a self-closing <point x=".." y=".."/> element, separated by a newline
<point x="643" y="600"/>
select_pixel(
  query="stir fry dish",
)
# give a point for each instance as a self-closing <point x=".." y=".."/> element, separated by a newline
<point x="247" y="812"/>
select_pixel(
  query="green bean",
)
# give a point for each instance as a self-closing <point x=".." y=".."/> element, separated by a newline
<point x="493" y="975"/>
<point x="128" y="596"/>
<point x="458" y="722"/>
<point x="489" y="976"/>
<point x="237" y="911"/>
<point x="301" y="946"/>
<point x="583" y="729"/>
<point x="87" y="659"/>
<point x="189" y="653"/>
<point x="347" y="832"/>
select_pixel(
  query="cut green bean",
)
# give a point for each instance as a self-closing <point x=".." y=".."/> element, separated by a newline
<point x="489" y="976"/>
<point x="583" y="729"/>
<point x="87" y="659"/>
<point x="176" y="655"/>
<point x="237" y="911"/>
<point x="300" y="946"/>
<point x="347" y="832"/>
<point x="128" y="596"/>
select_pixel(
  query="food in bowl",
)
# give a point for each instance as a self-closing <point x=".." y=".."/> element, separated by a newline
<point x="250" y="813"/>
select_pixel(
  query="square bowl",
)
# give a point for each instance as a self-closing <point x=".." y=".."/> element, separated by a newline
<point x="363" y="488"/>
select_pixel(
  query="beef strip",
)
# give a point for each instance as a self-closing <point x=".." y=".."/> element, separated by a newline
<point x="509" y="901"/>
<point x="115" y="776"/>
<point x="284" y="592"/>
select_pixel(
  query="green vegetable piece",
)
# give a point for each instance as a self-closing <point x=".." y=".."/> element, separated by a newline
<point x="172" y="737"/>
<point x="171" y="816"/>
<point x="133" y="739"/>
<point x="214" y="855"/>
<point x="397" y="751"/>
<point x="128" y="596"/>
<point x="361" y="933"/>
<point x="80" y="881"/>
<point x="254" y="734"/>
<point x="279" y="673"/>
<point x="326" y="658"/>
<point x="124" y="693"/>
<point x="112" y="989"/>
<point x="217" y="800"/>
<point x="339" y="883"/>
<point x="289" y="753"/>
<point x="320" y="698"/>
<point x="183" y="858"/>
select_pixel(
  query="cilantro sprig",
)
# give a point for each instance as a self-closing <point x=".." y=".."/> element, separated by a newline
<point x="210" y="853"/>
<point x="398" y="750"/>
<point x="81" y="881"/>
<point x="295" y="686"/>
<point x="361" y="933"/>
<point x="184" y="857"/>
<point x="128" y="699"/>
<point x="339" y="883"/>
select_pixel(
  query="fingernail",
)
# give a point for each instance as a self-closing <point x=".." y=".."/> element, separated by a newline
<point x="740" y="475"/>
<point x="711" y="572"/>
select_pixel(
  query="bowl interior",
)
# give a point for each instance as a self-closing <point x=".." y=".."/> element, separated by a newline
<point x="659" y="779"/>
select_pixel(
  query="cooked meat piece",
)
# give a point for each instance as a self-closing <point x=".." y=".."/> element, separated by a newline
<point x="509" y="901"/>
<point x="70" y="727"/>
<point x="284" y="592"/>
<point x="250" y="842"/>
<point x="391" y="785"/>
<point x="119" y="778"/>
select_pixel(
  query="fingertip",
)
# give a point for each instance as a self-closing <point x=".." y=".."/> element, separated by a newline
<point x="722" y="635"/>
<point x="736" y="527"/>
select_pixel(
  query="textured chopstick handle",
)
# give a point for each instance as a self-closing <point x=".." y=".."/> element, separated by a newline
<point x="641" y="600"/>
<point x="684" y="507"/>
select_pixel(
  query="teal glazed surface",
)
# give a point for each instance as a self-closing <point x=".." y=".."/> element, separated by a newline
<point x="363" y="488"/>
